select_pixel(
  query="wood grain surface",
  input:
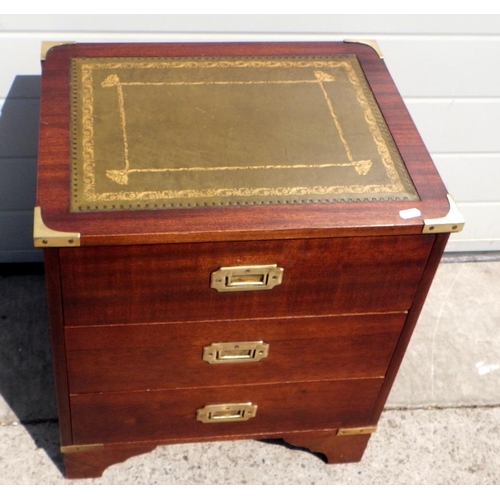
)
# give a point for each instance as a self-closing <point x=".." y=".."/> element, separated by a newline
<point x="160" y="283"/>
<point x="285" y="407"/>
<point x="326" y="348"/>
<point x="55" y="309"/>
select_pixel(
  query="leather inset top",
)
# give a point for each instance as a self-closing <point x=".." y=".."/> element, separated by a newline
<point x="155" y="133"/>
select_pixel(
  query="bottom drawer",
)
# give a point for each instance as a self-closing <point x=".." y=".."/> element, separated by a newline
<point x="157" y="415"/>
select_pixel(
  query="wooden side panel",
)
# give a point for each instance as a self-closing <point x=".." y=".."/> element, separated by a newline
<point x="423" y="289"/>
<point x="54" y="298"/>
<point x="299" y="349"/>
<point x="147" y="284"/>
<point x="156" y="415"/>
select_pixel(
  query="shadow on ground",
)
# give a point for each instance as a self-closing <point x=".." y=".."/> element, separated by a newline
<point x="27" y="391"/>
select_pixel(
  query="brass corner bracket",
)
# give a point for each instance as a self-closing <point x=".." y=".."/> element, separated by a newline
<point x="371" y="43"/>
<point x="44" y="237"/>
<point x="452" y="222"/>
<point x="46" y="46"/>
<point x="76" y="448"/>
<point x="354" y="431"/>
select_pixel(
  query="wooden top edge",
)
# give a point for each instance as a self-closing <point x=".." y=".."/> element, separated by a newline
<point x="361" y="48"/>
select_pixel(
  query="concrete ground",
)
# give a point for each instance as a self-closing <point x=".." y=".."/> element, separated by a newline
<point x="441" y="424"/>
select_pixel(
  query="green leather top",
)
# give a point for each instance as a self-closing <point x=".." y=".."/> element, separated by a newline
<point x="154" y="133"/>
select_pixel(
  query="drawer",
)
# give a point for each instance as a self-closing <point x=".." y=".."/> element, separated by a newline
<point x="163" y="283"/>
<point x="157" y="415"/>
<point x="169" y="356"/>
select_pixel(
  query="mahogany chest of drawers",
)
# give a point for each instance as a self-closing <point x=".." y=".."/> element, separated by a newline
<point x="238" y="241"/>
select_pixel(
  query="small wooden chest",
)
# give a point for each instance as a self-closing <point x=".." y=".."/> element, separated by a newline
<point x="239" y="239"/>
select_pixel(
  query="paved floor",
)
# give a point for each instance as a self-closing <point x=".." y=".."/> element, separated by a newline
<point x="441" y="425"/>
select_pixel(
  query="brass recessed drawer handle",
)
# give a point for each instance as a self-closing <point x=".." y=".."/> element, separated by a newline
<point x="235" y="352"/>
<point x="238" y="412"/>
<point x="246" y="278"/>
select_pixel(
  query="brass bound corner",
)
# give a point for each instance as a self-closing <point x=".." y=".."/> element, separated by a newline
<point x="46" y="46"/>
<point x="371" y="43"/>
<point x="77" y="448"/>
<point x="452" y="222"/>
<point x="353" y="431"/>
<point x="44" y="237"/>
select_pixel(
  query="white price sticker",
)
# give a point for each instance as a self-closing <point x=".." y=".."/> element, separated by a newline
<point x="410" y="213"/>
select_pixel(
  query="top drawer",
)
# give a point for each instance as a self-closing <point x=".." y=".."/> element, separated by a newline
<point x="159" y="283"/>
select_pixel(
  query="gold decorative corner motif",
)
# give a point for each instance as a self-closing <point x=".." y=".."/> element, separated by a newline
<point x="44" y="237"/>
<point x="353" y="431"/>
<point x="371" y="43"/>
<point x="452" y="222"/>
<point x="46" y="46"/>
<point x="76" y="448"/>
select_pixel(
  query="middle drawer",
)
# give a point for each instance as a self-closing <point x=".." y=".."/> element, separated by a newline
<point x="169" y="356"/>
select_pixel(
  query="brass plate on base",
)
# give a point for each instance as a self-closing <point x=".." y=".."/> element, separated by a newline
<point x="155" y="133"/>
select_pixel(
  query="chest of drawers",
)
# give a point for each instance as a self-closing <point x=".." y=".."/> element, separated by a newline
<point x="238" y="241"/>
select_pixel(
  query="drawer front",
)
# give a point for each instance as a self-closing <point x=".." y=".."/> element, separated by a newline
<point x="156" y="415"/>
<point x="169" y="356"/>
<point x="163" y="283"/>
